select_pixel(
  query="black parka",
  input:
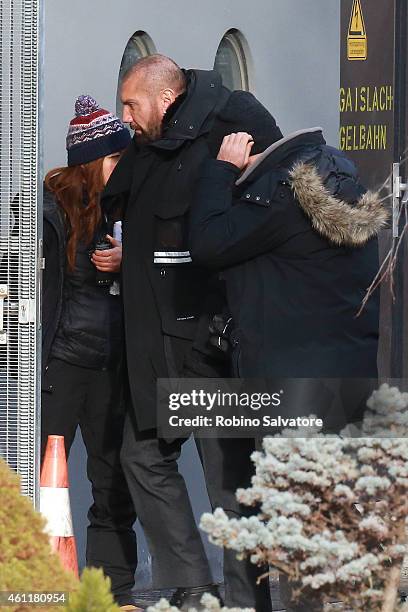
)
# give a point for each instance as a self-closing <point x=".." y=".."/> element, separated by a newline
<point x="296" y="240"/>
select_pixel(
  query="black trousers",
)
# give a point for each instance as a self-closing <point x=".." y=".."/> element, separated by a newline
<point x="91" y="399"/>
<point x="163" y="507"/>
<point x="228" y="467"/>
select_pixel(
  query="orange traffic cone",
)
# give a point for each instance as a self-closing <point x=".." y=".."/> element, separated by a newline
<point x="54" y="502"/>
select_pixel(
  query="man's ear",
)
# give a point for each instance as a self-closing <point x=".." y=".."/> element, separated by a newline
<point x="168" y="96"/>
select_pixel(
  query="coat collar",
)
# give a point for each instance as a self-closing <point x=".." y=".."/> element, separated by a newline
<point x="54" y="215"/>
<point x="204" y="91"/>
<point x="51" y="209"/>
<point x="282" y="148"/>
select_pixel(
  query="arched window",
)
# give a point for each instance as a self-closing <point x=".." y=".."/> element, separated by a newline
<point x="231" y="61"/>
<point x="139" y="45"/>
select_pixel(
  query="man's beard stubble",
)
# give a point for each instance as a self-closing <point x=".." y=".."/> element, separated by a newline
<point x="153" y="131"/>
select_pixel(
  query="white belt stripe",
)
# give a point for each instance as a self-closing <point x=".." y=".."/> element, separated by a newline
<point x="172" y="260"/>
<point x="172" y="253"/>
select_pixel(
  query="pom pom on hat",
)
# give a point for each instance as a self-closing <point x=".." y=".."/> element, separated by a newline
<point x="85" y="105"/>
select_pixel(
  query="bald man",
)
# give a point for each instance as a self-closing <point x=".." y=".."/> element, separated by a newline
<point x="179" y="118"/>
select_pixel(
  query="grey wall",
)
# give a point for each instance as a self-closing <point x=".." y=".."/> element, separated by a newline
<point x="294" y="71"/>
<point x="294" y="46"/>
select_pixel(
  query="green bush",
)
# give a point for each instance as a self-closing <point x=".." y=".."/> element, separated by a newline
<point x="94" y="594"/>
<point x="27" y="562"/>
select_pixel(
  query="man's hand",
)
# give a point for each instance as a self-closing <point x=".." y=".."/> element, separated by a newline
<point x="109" y="260"/>
<point x="236" y="149"/>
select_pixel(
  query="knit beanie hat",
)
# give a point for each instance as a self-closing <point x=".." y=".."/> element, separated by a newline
<point x="244" y="113"/>
<point x="94" y="132"/>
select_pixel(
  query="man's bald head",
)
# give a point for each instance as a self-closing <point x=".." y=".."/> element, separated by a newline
<point x="148" y="88"/>
<point x="157" y="72"/>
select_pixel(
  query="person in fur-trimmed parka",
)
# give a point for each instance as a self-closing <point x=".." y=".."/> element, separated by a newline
<point x="295" y="236"/>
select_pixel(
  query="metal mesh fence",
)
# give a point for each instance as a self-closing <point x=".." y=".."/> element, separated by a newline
<point x="19" y="237"/>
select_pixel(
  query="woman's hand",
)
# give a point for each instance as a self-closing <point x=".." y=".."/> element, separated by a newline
<point x="236" y="149"/>
<point x="109" y="260"/>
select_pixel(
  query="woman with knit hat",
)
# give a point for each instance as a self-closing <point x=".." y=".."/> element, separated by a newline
<point x="82" y="334"/>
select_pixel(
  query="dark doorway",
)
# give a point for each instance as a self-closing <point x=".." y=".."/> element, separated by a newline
<point x="373" y="132"/>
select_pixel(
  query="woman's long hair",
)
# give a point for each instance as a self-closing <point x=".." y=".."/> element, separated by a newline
<point x="77" y="190"/>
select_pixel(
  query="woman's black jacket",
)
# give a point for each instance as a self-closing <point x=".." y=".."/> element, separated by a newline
<point x="54" y="251"/>
<point x="93" y="346"/>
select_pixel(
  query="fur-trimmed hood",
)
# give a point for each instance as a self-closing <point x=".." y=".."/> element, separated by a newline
<point x="308" y="163"/>
<point x="335" y="219"/>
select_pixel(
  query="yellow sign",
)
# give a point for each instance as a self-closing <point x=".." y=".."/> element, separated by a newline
<point x="357" y="36"/>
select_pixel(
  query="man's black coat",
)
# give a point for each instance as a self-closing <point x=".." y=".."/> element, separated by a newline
<point x="167" y="298"/>
<point x="296" y="240"/>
